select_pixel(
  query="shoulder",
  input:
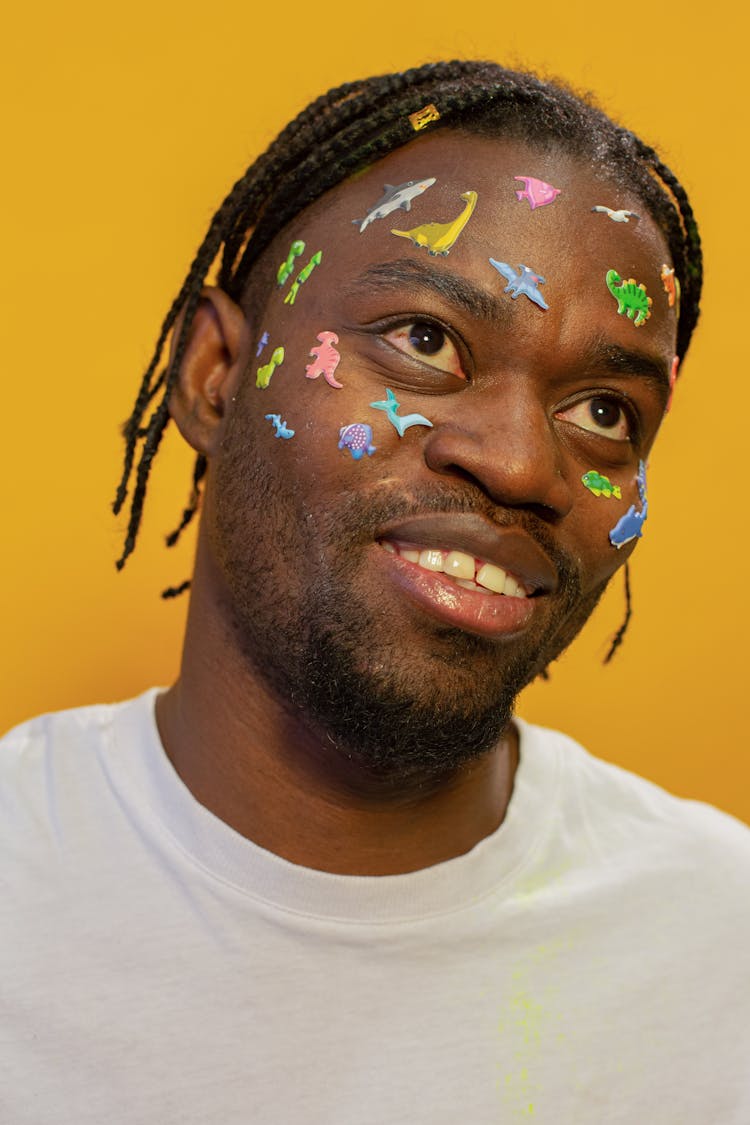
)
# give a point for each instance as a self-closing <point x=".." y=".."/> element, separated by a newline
<point x="55" y="754"/>
<point x="626" y="817"/>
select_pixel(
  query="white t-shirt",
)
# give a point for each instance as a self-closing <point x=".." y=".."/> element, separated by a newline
<point x="587" y="964"/>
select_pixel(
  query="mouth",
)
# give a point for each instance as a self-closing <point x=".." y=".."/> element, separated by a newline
<point x="469" y="573"/>
<point x="466" y="571"/>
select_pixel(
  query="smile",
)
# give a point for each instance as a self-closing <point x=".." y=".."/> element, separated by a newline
<point x="465" y="570"/>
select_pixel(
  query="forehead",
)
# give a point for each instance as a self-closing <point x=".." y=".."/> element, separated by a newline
<point x="560" y="237"/>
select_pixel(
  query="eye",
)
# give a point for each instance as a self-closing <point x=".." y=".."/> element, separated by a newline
<point x="429" y="343"/>
<point x="600" y="415"/>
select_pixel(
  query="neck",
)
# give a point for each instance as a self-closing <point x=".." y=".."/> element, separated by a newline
<point x="269" y="774"/>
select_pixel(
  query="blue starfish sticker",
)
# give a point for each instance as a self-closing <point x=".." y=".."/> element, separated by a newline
<point x="401" y="424"/>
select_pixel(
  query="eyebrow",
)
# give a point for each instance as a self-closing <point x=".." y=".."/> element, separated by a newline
<point x="603" y="354"/>
<point x="474" y="300"/>
<point x="614" y="358"/>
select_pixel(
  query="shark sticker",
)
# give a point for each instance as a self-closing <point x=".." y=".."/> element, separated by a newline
<point x="401" y="423"/>
<point x="537" y="192"/>
<point x="523" y="280"/>
<point x="439" y="238"/>
<point x="393" y="198"/>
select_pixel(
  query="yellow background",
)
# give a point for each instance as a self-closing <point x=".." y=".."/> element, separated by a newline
<point x="124" y="127"/>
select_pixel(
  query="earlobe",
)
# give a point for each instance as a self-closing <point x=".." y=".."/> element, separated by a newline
<point x="214" y="358"/>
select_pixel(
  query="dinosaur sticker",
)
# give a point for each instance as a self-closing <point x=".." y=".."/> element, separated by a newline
<point x="617" y="216"/>
<point x="523" y="280"/>
<point x="326" y="359"/>
<point x="630" y="526"/>
<point x="263" y="377"/>
<point x="671" y="287"/>
<point x="401" y="423"/>
<point x="538" y="193"/>
<point x="261" y="344"/>
<point x="631" y="298"/>
<point x="282" y="430"/>
<point x="601" y="486"/>
<point x="357" y="438"/>
<point x="286" y="269"/>
<point x="424" y="117"/>
<point x="302" y="277"/>
<point x="439" y="238"/>
<point x="393" y="198"/>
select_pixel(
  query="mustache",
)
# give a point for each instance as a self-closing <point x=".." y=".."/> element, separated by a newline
<point x="359" y="517"/>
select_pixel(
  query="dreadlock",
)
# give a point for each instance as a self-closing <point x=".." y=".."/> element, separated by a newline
<point x="341" y="133"/>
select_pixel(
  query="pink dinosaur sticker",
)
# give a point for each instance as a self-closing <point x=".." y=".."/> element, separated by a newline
<point x="326" y="359"/>
<point x="536" y="191"/>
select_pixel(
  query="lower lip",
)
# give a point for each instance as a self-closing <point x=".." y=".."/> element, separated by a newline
<point x="488" y="615"/>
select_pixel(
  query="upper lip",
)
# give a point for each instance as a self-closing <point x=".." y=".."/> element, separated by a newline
<point x="510" y="548"/>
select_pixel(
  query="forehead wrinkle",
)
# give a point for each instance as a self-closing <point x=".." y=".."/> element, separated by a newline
<point x="474" y="300"/>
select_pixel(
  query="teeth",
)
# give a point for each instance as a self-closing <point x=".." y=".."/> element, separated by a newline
<point x="459" y="565"/>
<point x="431" y="560"/>
<point x="492" y="577"/>
<point x="466" y="571"/>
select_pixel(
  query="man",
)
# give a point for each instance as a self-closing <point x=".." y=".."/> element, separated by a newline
<point x="326" y="877"/>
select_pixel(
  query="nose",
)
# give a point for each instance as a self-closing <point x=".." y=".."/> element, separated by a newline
<point x="507" y="445"/>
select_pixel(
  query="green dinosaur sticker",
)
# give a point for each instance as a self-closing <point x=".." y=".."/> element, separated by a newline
<point x="631" y="298"/>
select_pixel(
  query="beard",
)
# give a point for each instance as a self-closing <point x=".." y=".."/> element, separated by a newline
<point x="398" y="710"/>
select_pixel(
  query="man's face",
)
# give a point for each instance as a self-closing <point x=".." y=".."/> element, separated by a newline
<point x="321" y="556"/>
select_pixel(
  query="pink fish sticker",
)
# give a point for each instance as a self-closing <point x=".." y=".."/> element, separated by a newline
<point x="536" y="191"/>
<point x="326" y="359"/>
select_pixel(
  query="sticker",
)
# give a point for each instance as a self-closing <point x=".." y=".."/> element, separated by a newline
<point x="424" y="117"/>
<point x="672" y="381"/>
<point x="630" y="526"/>
<point x="523" y="281"/>
<point x="286" y="269"/>
<point x="631" y="298"/>
<point x="536" y="191"/>
<point x="439" y="238"/>
<point x="401" y="424"/>
<point x="302" y="277"/>
<point x="617" y="216"/>
<point x="671" y="285"/>
<point x="601" y="486"/>
<point x="357" y="438"/>
<point x="263" y="378"/>
<point x="326" y="361"/>
<point x="261" y="344"/>
<point x="282" y="430"/>
<point x="393" y="198"/>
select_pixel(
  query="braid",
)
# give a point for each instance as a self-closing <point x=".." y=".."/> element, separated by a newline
<point x="620" y="634"/>
<point x="341" y="133"/>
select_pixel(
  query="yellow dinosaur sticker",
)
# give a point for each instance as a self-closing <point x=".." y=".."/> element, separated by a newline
<point x="439" y="238"/>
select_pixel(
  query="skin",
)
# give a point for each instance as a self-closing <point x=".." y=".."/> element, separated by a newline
<point x="294" y="529"/>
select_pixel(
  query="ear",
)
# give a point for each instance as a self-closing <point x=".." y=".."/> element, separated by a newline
<point x="214" y="359"/>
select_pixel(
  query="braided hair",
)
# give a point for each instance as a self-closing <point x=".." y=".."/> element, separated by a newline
<point x="341" y="133"/>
